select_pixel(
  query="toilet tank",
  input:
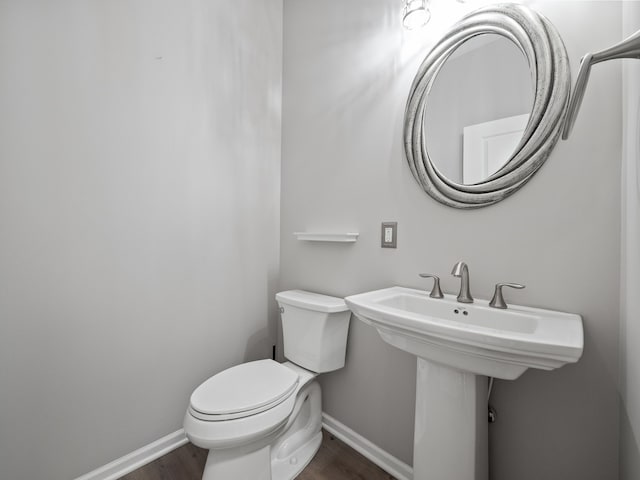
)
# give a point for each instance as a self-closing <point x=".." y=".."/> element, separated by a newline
<point x="314" y="329"/>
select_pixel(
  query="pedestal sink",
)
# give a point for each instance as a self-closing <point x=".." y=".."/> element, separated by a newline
<point x="458" y="346"/>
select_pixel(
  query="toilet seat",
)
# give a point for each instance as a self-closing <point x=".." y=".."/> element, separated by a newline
<point x="243" y="391"/>
<point x="238" y="431"/>
<point x="243" y="404"/>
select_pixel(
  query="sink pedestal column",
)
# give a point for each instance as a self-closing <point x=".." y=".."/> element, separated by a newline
<point x="451" y="433"/>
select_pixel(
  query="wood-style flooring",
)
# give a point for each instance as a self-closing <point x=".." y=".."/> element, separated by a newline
<point x="334" y="461"/>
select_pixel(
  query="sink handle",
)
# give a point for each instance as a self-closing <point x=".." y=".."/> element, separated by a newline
<point x="435" y="291"/>
<point x="498" y="300"/>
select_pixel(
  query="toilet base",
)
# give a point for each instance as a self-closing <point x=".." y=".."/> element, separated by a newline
<point x="237" y="463"/>
<point x="284" y="457"/>
<point x="290" y="467"/>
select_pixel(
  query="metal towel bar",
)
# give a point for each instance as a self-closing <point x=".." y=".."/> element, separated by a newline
<point x="628" y="48"/>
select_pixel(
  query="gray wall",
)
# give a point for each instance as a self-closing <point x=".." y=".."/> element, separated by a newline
<point x="139" y="210"/>
<point x="630" y="265"/>
<point x="348" y="68"/>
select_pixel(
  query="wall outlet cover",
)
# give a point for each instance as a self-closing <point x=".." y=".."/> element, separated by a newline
<point x="389" y="235"/>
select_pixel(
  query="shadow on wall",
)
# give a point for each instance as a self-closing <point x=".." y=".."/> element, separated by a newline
<point x="273" y="309"/>
<point x="629" y="447"/>
<point x="258" y="345"/>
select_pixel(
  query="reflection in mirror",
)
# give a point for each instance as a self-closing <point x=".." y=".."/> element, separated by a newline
<point x="478" y="108"/>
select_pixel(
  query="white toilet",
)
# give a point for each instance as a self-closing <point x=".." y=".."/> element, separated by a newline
<point x="261" y="420"/>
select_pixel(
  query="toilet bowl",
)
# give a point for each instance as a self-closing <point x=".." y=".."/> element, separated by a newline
<point x="262" y="420"/>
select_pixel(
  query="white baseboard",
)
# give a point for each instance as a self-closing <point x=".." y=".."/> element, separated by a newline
<point x="147" y="454"/>
<point x="384" y="460"/>
<point x="134" y="460"/>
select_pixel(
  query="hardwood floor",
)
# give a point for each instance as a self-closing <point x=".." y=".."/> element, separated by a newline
<point x="334" y="461"/>
<point x="337" y="461"/>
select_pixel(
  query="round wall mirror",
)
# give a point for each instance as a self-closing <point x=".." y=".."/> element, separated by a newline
<point x="487" y="106"/>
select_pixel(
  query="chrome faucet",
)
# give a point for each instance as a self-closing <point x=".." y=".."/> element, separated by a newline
<point x="461" y="271"/>
<point x="498" y="299"/>
<point x="436" y="292"/>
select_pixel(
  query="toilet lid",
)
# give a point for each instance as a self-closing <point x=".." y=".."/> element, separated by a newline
<point x="244" y="389"/>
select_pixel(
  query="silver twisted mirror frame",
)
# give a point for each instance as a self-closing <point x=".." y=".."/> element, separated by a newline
<point x="540" y="42"/>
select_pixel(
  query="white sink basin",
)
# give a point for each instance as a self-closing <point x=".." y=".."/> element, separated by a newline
<point x="473" y="337"/>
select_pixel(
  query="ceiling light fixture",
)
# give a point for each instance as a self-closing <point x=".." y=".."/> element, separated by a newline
<point x="415" y="14"/>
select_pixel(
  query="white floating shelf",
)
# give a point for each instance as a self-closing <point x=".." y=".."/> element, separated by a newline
<point x="327" y="237"/>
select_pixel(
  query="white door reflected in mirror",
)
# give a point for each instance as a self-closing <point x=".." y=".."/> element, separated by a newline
<point x="488" y="145"/>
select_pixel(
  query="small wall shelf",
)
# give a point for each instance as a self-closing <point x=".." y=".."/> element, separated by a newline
<point x="326" y="237"/>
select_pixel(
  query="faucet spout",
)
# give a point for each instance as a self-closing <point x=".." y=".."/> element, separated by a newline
<point x="461" y="271"/>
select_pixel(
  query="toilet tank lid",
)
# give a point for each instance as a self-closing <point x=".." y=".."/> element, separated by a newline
<point x="312" y="301"/>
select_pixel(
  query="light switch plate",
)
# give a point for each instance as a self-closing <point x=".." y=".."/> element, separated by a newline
<point x="389" y="236"/>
